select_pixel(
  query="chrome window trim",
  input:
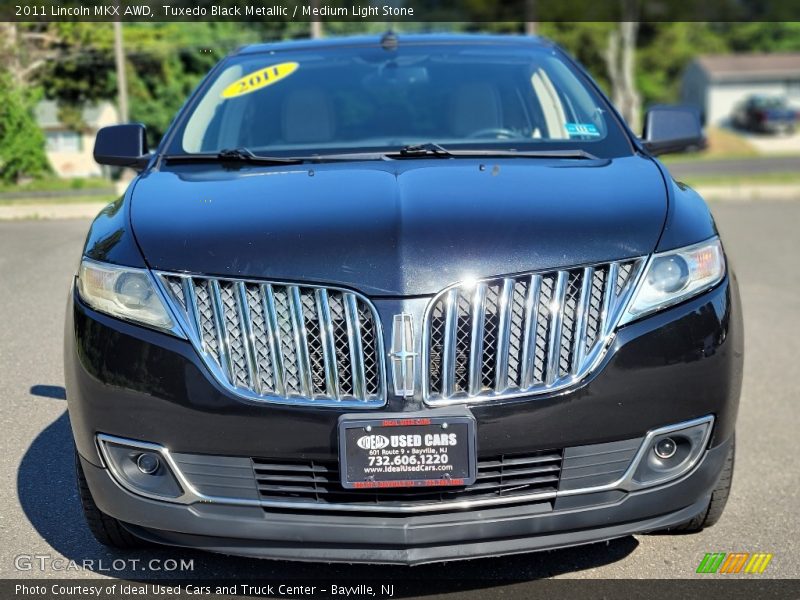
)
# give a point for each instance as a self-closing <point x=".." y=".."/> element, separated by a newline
<point x="378" y="400"/>
<point x="192" y="496"/>
<point x="610" y="320"/>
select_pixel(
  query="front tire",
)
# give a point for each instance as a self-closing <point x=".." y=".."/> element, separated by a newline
<point x="719" y="498"/>
<point x="106" y="529"/>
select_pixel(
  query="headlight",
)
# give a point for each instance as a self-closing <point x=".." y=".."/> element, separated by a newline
<point x="123" y="292"/>
<point x="674" y="276"/>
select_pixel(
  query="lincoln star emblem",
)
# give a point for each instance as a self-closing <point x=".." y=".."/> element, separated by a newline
<point x="403" y="355"/>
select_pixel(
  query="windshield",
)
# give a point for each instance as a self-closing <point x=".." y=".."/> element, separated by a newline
<point x="367" y="98"/>
<point x="767" y="102"/>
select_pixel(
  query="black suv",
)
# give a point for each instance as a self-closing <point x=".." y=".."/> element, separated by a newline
<point x="402" y="299"/>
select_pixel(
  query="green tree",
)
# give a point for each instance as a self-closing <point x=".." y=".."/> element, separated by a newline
<point x="587" y="42"/>
<point x="21" y="141"/>
<point x="760" y="36"/>
<point x="664" y="52"/>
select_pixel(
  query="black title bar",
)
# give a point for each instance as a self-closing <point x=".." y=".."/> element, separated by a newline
<point x="401" y="10"/>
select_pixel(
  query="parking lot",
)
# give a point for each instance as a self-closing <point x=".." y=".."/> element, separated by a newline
<point x="40" y="514"/>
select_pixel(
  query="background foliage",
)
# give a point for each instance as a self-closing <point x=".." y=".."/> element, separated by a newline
<point x="21" y="140"/>
<point x="165" y="61"/>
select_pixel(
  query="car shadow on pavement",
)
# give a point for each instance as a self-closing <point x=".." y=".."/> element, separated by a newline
<point x="56" y="392"/>
<point x="49" y="499"/>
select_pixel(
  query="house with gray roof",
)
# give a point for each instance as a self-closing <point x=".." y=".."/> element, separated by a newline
<point x="717" y="83"/>
<point x="70" y="151"/>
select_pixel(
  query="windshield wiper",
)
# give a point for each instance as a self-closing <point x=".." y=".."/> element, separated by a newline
<point x="247" y="155"/>
<point x="438" y="151"/>
<point x="244" y="155"/>
<point x="575" y="154"/>
<point x="428" y="149"/>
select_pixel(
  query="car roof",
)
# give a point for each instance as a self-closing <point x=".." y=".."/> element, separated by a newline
<point x="415" y="39"/>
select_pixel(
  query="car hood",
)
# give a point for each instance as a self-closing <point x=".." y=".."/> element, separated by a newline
<point x="397" y="228"/>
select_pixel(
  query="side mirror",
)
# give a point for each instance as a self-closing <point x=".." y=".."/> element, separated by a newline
<point x="122" y="146"/>
<point x="673" y="129"/>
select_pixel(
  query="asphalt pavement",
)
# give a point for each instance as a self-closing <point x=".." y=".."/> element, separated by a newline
<point x="40" y="513"/>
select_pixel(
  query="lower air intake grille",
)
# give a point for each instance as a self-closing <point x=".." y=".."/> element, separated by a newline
<point x="283" y="343"/>
<point x="498" y="477"/>
<point x="532" y="478"/>
<point x="522" y="335"/>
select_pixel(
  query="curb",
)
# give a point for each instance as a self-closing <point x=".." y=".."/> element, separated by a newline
<point x="749" y="193"/>
<point x="81" y="210"/>
<point x="50" y="194"/>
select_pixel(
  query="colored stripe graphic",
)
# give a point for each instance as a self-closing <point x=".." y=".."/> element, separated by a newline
<point x="711" y="562"/>
<point x="734" y="562"/>
<point x="758" y="563"/>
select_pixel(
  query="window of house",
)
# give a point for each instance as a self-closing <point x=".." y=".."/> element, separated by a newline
<point x="63" y="141"/>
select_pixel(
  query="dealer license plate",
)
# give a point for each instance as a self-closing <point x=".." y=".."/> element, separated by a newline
<point x="405" y="451"/>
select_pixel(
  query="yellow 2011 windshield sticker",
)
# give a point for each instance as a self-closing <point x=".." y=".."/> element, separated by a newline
<point x="259" y="79"/>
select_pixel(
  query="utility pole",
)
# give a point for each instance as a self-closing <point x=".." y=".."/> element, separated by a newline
<point x="621" y="64"/>
<point x="530" y="17"/>
<point x="122" y="83"/>
<point x="316" y="24"/>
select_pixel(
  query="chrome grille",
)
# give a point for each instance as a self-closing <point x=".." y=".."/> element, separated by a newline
<point x="285" y="343"/>
<point x="435" y="347"/>
<point x="526" y="334"/>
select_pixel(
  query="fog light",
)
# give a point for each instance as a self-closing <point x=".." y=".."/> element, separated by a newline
<point x="665" y="448"/>
<point x="669" y="452"/>
<point x="139" y="467"/>
<point x="148" y="463"/>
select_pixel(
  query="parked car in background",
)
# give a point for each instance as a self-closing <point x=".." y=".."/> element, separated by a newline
<point x="402" y="299"/>
<point x="767" y="114"/>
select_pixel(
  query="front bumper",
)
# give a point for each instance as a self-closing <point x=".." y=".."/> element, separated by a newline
<point x="253" y="531"/>
<point x="777" y="125"/>
<point x="677" y="365"/>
